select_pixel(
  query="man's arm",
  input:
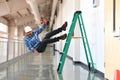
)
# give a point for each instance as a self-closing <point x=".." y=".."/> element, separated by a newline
<point x="41" y="29"/>
<point x="44" y="22"/>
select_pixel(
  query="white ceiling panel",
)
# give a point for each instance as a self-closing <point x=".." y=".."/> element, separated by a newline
<point x="15" y="15"/>
<point x="4" y="9"/>
<point x="16" y="5"/>
<point x="24" y="12"/>
<point x="19" y="10"/>
<point x="1" y="1"/>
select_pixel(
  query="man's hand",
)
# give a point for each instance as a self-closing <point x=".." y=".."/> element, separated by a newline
<point x="36" y="52"/>
<point x="43" y="21"/>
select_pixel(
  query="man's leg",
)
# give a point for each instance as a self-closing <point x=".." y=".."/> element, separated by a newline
<point x="56" y="39"/>
<point x="44" y="43"/>
<point x="54" y="32"/>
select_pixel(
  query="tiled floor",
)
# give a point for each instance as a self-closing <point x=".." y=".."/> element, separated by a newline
<point x="43" y="67"/>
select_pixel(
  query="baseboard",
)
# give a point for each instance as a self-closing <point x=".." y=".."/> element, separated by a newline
<point x="69" y="57"/>
<point x="83" y="65"/>
<point x="86" y="67"/>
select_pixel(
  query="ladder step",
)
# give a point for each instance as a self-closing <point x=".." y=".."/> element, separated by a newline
<point x="66" y="42"/>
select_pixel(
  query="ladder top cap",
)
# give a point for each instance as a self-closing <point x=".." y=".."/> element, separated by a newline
<point x="78" y="12"/>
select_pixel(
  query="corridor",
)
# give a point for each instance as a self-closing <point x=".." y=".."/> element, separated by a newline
<point x="88" y="38"/>
<point x="43" y="67"/>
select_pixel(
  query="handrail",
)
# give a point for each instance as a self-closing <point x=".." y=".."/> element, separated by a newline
<point x="11" y="48"/>
<point x="9" y="39"/>
<point x="3" y="37"/>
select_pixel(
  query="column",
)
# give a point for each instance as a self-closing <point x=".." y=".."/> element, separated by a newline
<point x="20" y="33"/>
<point x="12" y="29"/>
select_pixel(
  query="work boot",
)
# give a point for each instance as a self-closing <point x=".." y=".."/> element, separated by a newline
<point x="63" y="36"/>
<point x="64" y="26"/>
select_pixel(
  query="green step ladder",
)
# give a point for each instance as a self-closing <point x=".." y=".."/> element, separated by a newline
<point x="77" y="16"/>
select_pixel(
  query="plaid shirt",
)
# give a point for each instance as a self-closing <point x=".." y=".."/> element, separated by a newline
<point x="33" y="41"/>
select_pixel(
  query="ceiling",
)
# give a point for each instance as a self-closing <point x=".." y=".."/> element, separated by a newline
<point x="25" y="12"/>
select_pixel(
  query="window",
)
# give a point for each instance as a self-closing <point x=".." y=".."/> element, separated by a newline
<point x="114" y="15"/>
<point x="3" y="28"/>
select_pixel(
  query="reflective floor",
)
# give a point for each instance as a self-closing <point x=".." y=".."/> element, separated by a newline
<point x="43" y="67"/>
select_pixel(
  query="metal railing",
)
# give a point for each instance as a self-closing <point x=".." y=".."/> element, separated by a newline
<point x="10" y="49"/>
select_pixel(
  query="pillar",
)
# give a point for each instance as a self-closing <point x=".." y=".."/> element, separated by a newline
<point x="20" y="33"/>
<point x="12" y="29"/>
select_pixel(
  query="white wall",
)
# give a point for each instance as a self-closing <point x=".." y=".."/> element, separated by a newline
<point x="94" y="24"/>
<point x="65" y="14"/>
<point x="68" y="11"/>
<point x="100" y="34"/>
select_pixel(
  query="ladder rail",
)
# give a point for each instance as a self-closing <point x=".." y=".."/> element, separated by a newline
<point x="67" y="44"/>
<point x="80" y="16"/>
<point x="77" y="15"/>
<point x="83" y="41"/>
